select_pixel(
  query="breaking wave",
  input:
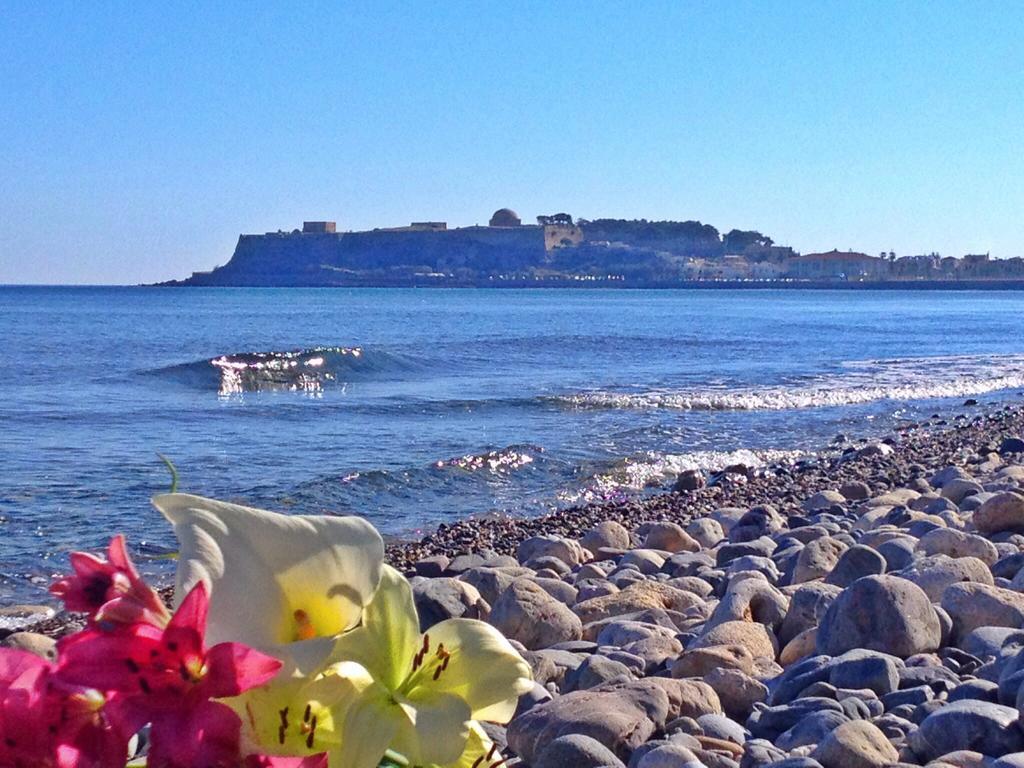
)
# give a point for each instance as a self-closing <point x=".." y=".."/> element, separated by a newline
<point x="861" y="381"/>
<point x="652" y="469"/>
<point x="506" y="459"/>
<point x="501" y="461"/>
<point x="301" y="370"/>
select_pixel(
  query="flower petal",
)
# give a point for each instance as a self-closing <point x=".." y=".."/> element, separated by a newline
<point x="117" y="556"/>
<point x="389" y="637"/>
<point x="205" y="734"/>
<point x="482" y="668"/>
<point x="435" y="730"/>
<point x="108" y="661"/>
<point x="187" y="626"/>
<point x="273" y="578"/>
<point x="232" y="668"/>
<point x="480" y="751"/>
<point x="278" y="718"/>
<point x="369" y="729"/>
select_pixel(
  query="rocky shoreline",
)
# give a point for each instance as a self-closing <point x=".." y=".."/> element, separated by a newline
<point x="862" y="608"/>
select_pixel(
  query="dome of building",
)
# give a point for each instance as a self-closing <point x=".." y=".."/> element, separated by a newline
<point x="505" y="217"/>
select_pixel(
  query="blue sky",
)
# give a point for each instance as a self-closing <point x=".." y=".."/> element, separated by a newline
<point x="138" y="140"/>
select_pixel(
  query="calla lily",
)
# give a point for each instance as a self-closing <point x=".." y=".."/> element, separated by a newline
<point x="275" y="579"/>
<point x="392" y="687"/>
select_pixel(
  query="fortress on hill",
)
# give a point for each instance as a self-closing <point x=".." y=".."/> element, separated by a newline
<point x="320" y="255"/>
<point x="560" y="251"/>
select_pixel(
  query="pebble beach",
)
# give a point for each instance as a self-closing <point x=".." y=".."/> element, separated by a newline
<point x="861" y="608"/>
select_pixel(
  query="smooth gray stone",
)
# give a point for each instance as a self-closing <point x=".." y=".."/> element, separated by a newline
<point x="863" y="669"/>
<point x="576" y="750"/>
<point x="804" y="673"/>
<point x="991" y="729"/>
<point x="880" y="613"/>
<point x="856" y="562"/>
<point x="811" y="729"/>
<point x="771" y="722"/>
<point x="981" y="690"/>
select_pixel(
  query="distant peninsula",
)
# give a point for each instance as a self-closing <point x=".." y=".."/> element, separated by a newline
<point x="561" y="251"/>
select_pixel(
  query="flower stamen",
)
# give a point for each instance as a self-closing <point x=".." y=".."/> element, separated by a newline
<point x="312" y="733"/>
<point x="304" y="629"/>
<point x="284" y="725"/>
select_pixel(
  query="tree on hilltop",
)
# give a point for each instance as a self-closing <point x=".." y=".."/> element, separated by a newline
<point x="563" y="219"/>
<point x="739" y="241"/>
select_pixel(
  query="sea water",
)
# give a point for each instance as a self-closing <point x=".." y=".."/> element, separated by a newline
<point x="414" y="407"/>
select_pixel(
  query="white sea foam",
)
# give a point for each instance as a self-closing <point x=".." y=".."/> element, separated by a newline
<point x="862" y="381"/>
<point x="504" y="460"/>
<point x="653" y="469"/>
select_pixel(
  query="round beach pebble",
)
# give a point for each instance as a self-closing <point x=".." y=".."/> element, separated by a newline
<point x="934" y="574"/>
<point x="946" y="541"/>
<point x="669" y="537"/>
<point x="975" y="725"/>
<point x="817" y="559"/>
<point x="1002" y="512"/>
<point x="527" y="613"/>
<point x="621" y="719"/>
<point x="706" y="532"/>
<point x="855" y="563"/>
<point x="669" y="756"/>
<point x="567" y="550"/>
<point x="577" y="750"/>
<point x="880" y="613"/>
<point x="980" y="605"/>
<point x="33" y="642"/>
<point x="856" y="744"/>
<point x="607" y="534"/>
<point x="636" y="597"/>
<point x="747" y="634"/>
<point x="737" y="691"/>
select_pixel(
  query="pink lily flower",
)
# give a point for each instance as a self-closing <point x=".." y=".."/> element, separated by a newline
<point x="45" y="723"/>
<point x="166" y="677"/>
<point x="110" y="590"/>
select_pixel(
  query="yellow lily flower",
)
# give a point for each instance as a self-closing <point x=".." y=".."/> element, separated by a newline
<point x="480" y="751"/>
<point x="426" y="688"/>
<point x="392" y="688"/>
<point x="298" y="716"/>
<point x="288" y="584"/>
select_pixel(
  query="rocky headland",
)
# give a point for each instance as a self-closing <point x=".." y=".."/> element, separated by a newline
<point x="861" y="608"/>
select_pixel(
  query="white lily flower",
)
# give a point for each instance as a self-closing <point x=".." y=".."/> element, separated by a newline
<point x="275" y="580"/>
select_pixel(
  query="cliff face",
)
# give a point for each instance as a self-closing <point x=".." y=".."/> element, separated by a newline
<point x="289" y="259"/>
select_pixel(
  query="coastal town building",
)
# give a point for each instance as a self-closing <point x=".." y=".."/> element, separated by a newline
<point x="318" y="227"/>
<point x="505" y="217"/>
<point x="561" y="236"/>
